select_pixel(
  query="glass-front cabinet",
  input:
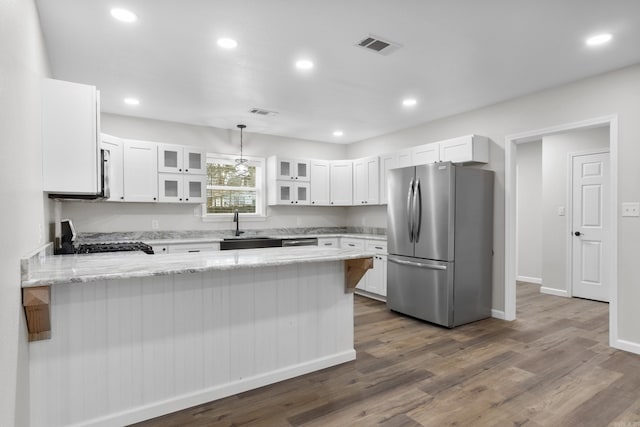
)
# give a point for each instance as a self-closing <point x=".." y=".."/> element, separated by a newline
<point x="177" y="188"/>
<point x="292" y="169"/>
<point x="292" y="193"/>
<point x="181" y="159"/>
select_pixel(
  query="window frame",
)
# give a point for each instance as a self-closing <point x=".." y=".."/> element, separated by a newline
<point x="261" y="190"/>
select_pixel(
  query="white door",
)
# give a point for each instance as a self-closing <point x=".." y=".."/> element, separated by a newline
<point x="590" y="225"/>
<point x="319" y="190"/>
<point x="341" y="176"/>
<point x="140" y="164"/>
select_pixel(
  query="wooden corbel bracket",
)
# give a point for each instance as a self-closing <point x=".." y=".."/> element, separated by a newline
<point x="354" y="270"/>
<point x="36" y="303"/>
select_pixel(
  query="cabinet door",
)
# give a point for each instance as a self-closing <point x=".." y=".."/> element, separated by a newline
<point x="470" y="148"/>
<point x="170" y="158"/>
<point x="116" y="172"/>
<point x="285" y="169"/>
<point x="376" y="278"/>
<point x="285" y="193"/>
<point x="194" y="188"/>
<point x="140" y="171"/>
<point x="302" y="193"/>
<point x="404" y="158"/>
<point x="387" y="162"/>
<point x="320" y="182"/>
<point x="424" y="154"/>
<point x="365" y="181"/>
<point x="195" y="161"/>
<point x="70" y="137"/>
<point x="341" y="187"/>
<point x="170" y="187"/>
<point x="302" y="172"/>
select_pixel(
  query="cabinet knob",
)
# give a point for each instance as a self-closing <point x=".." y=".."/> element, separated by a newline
<point x="296" y="201"/>
<point x="121" y="197"/>
<point x="313" y="203"/>
<point x="186" y="200"/>
<point x="180" y="199"/>
<point x="292" y="202"/>
<point x="179" y="170"/>
<point x="164" y="249"/>
<point x="331" y="202"/>
<point x="186" y="170"/>
<point x="154" y="198"/>
<point x="296" y="177"/>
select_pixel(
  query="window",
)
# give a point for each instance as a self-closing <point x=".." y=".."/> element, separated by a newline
<point x="227" y="192"/>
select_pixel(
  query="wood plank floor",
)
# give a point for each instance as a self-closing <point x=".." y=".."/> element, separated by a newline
<point x="551" y="367"/>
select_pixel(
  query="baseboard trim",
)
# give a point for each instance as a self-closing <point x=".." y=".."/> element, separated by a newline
<point x="630" y="346"/>
<point x="184" y="401"/>
<point x="556" y="292"/>
<point x="528" y="279"/>
<point x="498" y="314"/>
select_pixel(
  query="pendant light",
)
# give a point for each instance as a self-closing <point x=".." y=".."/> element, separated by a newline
<point x="242" y="169"/>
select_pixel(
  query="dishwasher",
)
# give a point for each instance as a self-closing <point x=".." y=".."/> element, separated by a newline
<point x="304" y="241"/>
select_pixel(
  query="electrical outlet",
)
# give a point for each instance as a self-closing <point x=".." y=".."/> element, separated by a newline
<point x="155" y="224"/>
<point x="561" y="211"/>
<point x="631" y="209"/>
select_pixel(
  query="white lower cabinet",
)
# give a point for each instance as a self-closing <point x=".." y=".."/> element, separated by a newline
<point x="374" y="282"/>
<point x="328" y="242"/>
<point x="180" y="188"/>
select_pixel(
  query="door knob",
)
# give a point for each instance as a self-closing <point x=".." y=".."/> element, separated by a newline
<point x="577" y="233"/>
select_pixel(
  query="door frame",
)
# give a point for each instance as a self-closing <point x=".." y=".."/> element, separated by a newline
<point x="569" y="216"/>
<point x="511" y="147"/>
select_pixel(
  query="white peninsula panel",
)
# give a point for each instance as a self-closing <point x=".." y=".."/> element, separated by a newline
<point x="129" y="349"/>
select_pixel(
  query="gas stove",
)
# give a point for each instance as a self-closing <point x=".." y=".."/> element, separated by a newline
<point x="94" y="248"/>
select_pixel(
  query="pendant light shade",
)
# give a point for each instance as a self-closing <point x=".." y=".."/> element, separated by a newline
<point x="242" y="168"/>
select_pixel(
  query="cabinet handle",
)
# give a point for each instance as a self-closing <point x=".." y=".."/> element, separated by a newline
<point x="350" y="244"/>
<point x="378" y="247"/>
<point x="327" y="244"/>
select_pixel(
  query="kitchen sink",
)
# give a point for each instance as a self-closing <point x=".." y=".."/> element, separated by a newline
<point x="231" y="243"/>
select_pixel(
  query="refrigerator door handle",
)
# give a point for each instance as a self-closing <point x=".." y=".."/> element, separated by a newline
<point x="416" y="264"/>
<point x="417" y="208"/>
<point x="410" y="209"/>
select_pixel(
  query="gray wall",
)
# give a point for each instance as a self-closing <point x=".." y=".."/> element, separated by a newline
<point x="555" y="170"/>
<point x="610" y="93"/>
<point x="100" y="217"/>
<point x="529" y="230"/>
<point x="23" y="216"/>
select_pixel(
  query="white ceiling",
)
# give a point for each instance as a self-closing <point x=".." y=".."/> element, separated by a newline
<point x="456" y="55"/>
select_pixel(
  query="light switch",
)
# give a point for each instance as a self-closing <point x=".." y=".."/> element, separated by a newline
<point x="155" y="224"/>
<point x="561" y="211"/>
<point x="631" y="209"/>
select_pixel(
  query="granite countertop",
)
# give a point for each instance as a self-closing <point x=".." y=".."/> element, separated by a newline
<point x="176" y="241"/>
<point x="58" y="269"/>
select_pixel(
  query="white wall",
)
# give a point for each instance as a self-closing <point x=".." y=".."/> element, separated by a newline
<point x="610" y="93"/>
<point x="104" y="217"/>
<point x="555" y="170"/>
<point x="23" y="216"/>
<point x="529" y="212"/>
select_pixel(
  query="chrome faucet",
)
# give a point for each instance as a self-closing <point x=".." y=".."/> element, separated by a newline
<point x="236" y="219"/>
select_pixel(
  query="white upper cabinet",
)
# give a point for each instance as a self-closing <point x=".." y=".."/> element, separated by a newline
<point x="140" y="171"/>
<point x="366" y="181"/>
<point x="320" y="182"/>
<point x="115" y="148"/>
<point x="424" y="154"/>
<point x="290" y="169"/>
<point x="465" y="149"/>
<point x="290" y="193"/>
<point x="180" y="188"/>
<point x="341" y="187"/>
<point x="70" y="137"/>
<point x="181" y="159"/>
<point x="387" y="162"/>
<point x="404" y="158"/>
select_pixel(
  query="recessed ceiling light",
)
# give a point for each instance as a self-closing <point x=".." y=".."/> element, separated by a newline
<point x="124" y="15"/>
<point x="227" y="43"/>
<point x="338" y="133"/>
<point x="409" y="102"/>
<point x="599" y="39"/>
<point x="132" y="101"/>
<point x="304" y="64"/>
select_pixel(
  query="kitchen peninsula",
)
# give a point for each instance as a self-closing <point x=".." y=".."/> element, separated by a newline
<point x="134" y="336"/>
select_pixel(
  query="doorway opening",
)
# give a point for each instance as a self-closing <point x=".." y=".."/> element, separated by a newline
<point x="560" y="211"/>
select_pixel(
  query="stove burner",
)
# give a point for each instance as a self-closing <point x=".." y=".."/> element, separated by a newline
<point x="94" y="248"/>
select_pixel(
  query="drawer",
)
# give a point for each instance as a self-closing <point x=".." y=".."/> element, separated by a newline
<point x="193" y="248"/>
<point x="350" y="243"/>
<point x="328" y="242"/>
<point x="376" y="246"/>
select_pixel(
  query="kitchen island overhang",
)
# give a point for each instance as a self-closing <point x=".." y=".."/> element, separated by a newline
<point x="127" y="346"/>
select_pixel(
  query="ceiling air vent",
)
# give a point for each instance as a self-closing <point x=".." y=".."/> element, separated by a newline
<point x="378" y="45"/>
<point x="262" y="112"/>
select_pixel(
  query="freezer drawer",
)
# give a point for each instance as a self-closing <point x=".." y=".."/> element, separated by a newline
<point x="421" y="288"/>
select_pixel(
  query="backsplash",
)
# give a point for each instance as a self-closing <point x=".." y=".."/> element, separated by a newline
<point x="128" y="236"/>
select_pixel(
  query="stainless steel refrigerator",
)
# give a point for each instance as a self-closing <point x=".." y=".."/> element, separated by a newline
<point x="440" y="243"/>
